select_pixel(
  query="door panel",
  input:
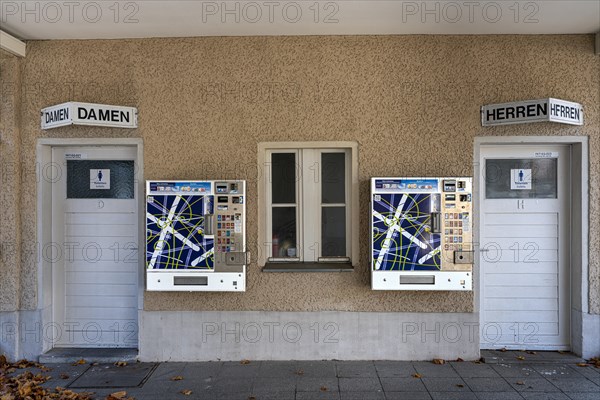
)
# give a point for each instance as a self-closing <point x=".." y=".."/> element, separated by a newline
<point x="515" y="230"/>
<point x="525" y="292"/>
<point x="524" y="242"/>
<point x="515" y="244"/>
<point x="493" y="218"/>
<point x="94" y="217"/>
<point x="517" y="304"/>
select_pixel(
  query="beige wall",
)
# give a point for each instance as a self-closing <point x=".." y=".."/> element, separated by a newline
<point x="409" y="101"/>
<point x="10" y="188"/>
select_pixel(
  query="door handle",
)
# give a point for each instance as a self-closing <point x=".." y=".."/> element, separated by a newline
<point x="520" y="204"/>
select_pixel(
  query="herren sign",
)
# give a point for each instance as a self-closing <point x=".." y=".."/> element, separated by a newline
<point x="522" y="112"/>
<point x="89" y="114"/>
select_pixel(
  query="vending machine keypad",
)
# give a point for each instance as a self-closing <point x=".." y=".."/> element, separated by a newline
<point x="457" y="235"/>
<point x="229" y="224"/>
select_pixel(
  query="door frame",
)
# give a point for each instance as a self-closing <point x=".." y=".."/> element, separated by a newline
<point x="44" y="165"/>
<point x="579" y="165"/>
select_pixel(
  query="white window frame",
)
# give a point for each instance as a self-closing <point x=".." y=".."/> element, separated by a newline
<point x="306" y="231"/>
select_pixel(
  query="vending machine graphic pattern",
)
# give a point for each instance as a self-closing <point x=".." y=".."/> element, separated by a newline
<point x="175" y="232"/>
<point x="402" y="235"/>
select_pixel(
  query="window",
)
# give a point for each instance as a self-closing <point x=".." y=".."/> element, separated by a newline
<point x="118" y="176"/>
<point x="503" y="178"/>
<point x="308" y="198"/>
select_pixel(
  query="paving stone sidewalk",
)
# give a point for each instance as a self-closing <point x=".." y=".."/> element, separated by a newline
<point x="504" y="376"/>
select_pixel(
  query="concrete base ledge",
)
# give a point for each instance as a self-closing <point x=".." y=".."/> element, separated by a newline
<point x="21" y="334"/>
<point x="590" y="336"/>
<point x="211" y="336"/>
<point x="73" y="354"/>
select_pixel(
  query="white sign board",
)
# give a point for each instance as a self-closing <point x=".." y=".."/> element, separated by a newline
<point x="75" y="156"/>
<point x="546" y="154"/>
<point x="523" y="112"/>
<point x="520" y="179"/>
<point x="99" y="178"/>
<point x="89" y="114"/>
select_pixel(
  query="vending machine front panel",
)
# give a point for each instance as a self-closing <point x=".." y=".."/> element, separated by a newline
<point x="421" y="234"/>
<point x="195" y="235"/>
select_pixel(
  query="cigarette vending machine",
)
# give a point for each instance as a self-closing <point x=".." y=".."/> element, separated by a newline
<point x="421" y="234"/>
<point x="196" y="235"/>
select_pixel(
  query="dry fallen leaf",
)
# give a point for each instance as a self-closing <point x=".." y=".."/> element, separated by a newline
<point x="416" y="375"/>
<point x="177" y="378"/>
<point x="459" y="359"/>
<point x="79" y="362"/>
<point x="323" y="389"/>
<point x="504" y="350"/>
<point x="27" y="385"/>
<point x="251" y="398"/>
<point x="520" y="383"/>
<point x="460" y="385"/>
<point x="438" y="361"/>
<point x="24" y="364"/>
<point x="521" y="358"/>
<point x="245" y="362"/>
<point x="300" y="372"/>
<point x="117" y="395"/>
<point x="121" y="363"/>
<point x="186" y="392"/>
<point x="531" y="352"/>
<point x="582" y="364"/>
<point x="64" y="376"/>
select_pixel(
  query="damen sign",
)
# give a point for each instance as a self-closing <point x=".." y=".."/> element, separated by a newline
<point x="89" y="114"/>
<point x="522" y="112"/>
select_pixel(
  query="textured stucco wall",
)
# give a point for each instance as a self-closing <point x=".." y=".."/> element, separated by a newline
<point x="411" y="102"/>
<point x="10" y="186"/>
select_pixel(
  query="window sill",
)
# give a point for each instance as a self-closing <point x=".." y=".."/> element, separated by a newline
<point x="307" y="267"/>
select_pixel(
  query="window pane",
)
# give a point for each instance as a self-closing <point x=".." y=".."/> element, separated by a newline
<point x="284" y="232"/>
<point x="100" y="179"/>
<point x="283" y="172"/>
<point x="333" y="178"/>
<point x="333" y="231"/>
<point x="521" y="178"/>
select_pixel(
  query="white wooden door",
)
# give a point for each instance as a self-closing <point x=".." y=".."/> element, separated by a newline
<point x="525" y="246"/>
<point x="94" y="226"/>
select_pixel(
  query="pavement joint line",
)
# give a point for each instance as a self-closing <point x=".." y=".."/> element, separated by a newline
<point x="378" y="378"/>
<point x="83" y="373"/>
<point x="148" y="375"/>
